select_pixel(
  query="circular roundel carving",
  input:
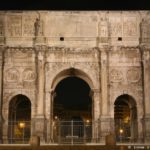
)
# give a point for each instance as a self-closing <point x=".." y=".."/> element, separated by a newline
<point x="116" y="75"/>
<point x="12" y="75"/>
<point x="28" y="75"/>
<point x="133" y="75"/>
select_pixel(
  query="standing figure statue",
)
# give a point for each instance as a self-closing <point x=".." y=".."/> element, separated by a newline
<point x="37" y="26"/>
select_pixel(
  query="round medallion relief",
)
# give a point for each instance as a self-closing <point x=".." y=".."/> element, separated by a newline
<point x="133" y="75"/>
<point x="116" y="75"/>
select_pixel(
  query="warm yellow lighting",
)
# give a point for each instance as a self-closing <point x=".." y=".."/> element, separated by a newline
<point x="87" y="121"/>
<point x="56" y="117"/>
<point x="22" y="125"/>
<point x="126" y="119"/>
<point x="121" y="131"/>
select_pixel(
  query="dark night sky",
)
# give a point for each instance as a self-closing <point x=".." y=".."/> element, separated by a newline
<point x="73" y="93"/>
<point x="74" y="5"/>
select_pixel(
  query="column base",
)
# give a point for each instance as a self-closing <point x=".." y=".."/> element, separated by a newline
<point x="147" y="129"/>
<point x="39" y="128"/>
<point x="106" y="127"/>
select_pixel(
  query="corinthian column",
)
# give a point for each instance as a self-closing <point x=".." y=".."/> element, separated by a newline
<point x="1" y="90"/>
<point x="146" y="87"/>
<point x="39" y="121"/>
<point x="104" y="83"/>
<point x="105" y="119"/>
<point x="40" y="83"/>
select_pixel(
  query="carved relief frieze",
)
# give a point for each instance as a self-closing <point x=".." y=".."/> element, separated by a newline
<point x="115" y="26"/>
<point x="133" y="75"/>
<point x="28" y="25"/>
<point x="129" y="26"/>
<point x="71" y="54"/>
<point x="20" y="55"/>
<point x="131" y="53"/>
<point x="116" y="75"/>
<point x="12" y="75"/>
<point x="14" y="25"/>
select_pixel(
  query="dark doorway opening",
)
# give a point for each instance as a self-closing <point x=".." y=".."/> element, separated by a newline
<point x="19" y="119"/>
<point x="73" y="110"/>
<point x="125" y="115"/>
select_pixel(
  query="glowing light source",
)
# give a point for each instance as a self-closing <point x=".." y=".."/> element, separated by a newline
<point x="22" y="125"/>
<point x="121" y="131"/>
<point x="56" y="117"/>
<point x="87" y="121"/>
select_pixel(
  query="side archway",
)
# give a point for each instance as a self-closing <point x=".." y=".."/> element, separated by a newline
<point x="19" y="119"/>
<point x="125" y="116"/>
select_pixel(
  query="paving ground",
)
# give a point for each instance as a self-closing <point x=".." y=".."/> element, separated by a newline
<point x="68" y="147"/>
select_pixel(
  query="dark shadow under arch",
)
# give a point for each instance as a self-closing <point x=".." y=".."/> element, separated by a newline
<point x="72" y="72"/>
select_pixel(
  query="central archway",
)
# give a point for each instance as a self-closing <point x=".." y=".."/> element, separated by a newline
<point x="72" y="110"/>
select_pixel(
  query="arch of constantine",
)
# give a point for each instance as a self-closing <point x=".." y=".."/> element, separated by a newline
<point x="74" y="76"/>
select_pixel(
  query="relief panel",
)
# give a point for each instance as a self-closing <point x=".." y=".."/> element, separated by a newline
<point x="14" y="25"/>
<point x="133" y="75"/>
<point x="129" y="26"/>
<point x="28" y="25"/>
<point x="115" y="26"/>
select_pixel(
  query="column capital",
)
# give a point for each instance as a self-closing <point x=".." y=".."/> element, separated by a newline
<point x="94" y="91"/>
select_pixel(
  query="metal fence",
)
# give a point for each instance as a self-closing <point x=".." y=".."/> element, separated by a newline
<point x="72" y="132"/>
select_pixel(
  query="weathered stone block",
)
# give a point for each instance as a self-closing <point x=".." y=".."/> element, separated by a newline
<point x="35" y="141"/>
<point x="110" y="139"/>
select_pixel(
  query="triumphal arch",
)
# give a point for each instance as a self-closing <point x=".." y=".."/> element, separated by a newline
<point x="74" y="76"/>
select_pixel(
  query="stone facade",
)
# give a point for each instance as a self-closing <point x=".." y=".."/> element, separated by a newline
<point x="109" y="50"/>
